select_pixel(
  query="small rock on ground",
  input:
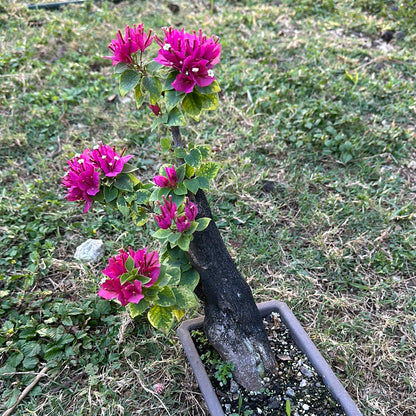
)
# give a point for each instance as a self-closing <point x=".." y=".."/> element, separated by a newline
<point x="90" y="251"/>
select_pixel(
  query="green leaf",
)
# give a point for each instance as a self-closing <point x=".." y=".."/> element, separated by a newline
<point x="167" y="85"/>
<point x="164" y="278"/>
<point x="29" y="363"/>
<point x="210" y="89"/>
<point x="193" y="158"/>
<point x="203" y="182"/>
<point x="53" y="352"/>
<point x="144" y="279"/>
<point x="175" y="275"/>
<point x="173" y="238"/>
<point x="121" y="67"/>
<point x="192" y="185"/>
<point x="166" y="297"/>
<point x="142" y="196"/>
<point x="184" y="241"/>
<point x="179" y="314"/>
<point x="189" y="279"/>
<point x="128" y="80"/>
<point x="129" y="264"/>
<point x="30" y="349"/>
<point x="161" y="234"/>
<point x="138" y="96"/>
<point x="173" y="98"/>
<point x="153" y="86"/>
<point x="137" y="309"/>
<point x="15" y="359"/>
<point x="151" y="293"/>
<point x="124" y="182"/>
<point x="208" y="170"/>
<point x="180" y="152"/>
<point x="185" y="298"/>
<point x="122" y="206"/>
<point x="175" y="118"/>
<point x="209" y="102"/>
<point x="127" y="168"/>
<point x="154" y="66"/>
<point x="165" y="144"/>
<point x="139" y="217"/>
<point x="205" y="151"/>
<point x="161" y="318"/>
<point x="202" y="223"/>
<point x="110" y="193"/>
<point x="181" y="170"/>
<point x="192" y="105"/>
<point x="180" y="190"/>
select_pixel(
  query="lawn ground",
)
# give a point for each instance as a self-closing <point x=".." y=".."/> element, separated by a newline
<point x="315" y="198"/>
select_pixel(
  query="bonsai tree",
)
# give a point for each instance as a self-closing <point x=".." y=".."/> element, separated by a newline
<point x="173" y="85"/>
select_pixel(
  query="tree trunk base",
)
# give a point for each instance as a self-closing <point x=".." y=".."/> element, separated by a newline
<point x="232" y="322"/>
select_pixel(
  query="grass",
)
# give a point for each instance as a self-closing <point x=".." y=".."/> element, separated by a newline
<point x="315" y="200"/>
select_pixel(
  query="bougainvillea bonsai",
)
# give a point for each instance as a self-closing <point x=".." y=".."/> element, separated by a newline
<point x="189" y="259"/>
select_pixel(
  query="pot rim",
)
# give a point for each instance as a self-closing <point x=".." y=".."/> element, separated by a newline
<point x="301" y="339"/>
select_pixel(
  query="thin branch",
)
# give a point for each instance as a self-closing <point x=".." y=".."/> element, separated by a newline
<point x="176" y="136"/>
<point x="41" y="374"/>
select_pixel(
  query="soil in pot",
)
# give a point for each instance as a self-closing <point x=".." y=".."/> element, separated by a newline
<point x="296" y="389"/>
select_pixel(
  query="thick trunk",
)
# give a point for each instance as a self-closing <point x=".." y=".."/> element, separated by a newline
<point x="232" y="322"/>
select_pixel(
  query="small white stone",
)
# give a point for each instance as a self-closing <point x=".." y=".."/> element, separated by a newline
<point x="305" y="407"/>
<point x="90" y="251"/>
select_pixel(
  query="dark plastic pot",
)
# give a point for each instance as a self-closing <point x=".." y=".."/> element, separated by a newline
<point x="301" y="339"/>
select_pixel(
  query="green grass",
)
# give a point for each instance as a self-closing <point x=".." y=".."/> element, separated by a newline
<point x="313" y="101"/>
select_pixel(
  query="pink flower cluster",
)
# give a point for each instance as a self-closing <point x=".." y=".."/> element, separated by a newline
<point x="193" y="55"/>
<point x="147" y="264"/>
<point x="168" y="181"/>
<point x="83" y="176"/>
<point x="135" y="39"/>
<point x="169" y="214"/>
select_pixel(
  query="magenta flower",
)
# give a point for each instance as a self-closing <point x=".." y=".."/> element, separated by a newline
<point x="135" y="39"/>
<point x="116" y="265"/>
<point x="168" y="213"/>
<point x="110" y="162"/>
<point x="191" y="210"/>
<point x="155" y="109"/>
<point x="130" y="292"/>
<point x="182" y="223"/>
<point x="167" y="182"/>
<point x="81" y="179"/>
<point x="193" y="55"/>
<point x="147" y="264"/>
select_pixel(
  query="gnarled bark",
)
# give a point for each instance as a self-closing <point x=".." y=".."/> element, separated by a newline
<point x="232" y="322"/>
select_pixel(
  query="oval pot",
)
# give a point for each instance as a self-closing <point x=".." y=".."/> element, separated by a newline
<point x="298" y="335"/>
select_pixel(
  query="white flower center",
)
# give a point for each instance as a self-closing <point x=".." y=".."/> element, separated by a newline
<point x="210" y="73"/>
<point x="166" y="46"/>
<point x="116" y="158"/>
<point x="103" y="157"/>
<point x="81" y="161"/>
<point x="195" y="69"/>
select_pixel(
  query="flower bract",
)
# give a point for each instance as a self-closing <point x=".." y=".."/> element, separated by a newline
<point x="82" y="179"/>
<point x="168" y="181"/>
<point x="123" y="48"/>
<point x="146" y="263"/>
<point x="110" y="162"/>
<point x="192" y="54"/>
